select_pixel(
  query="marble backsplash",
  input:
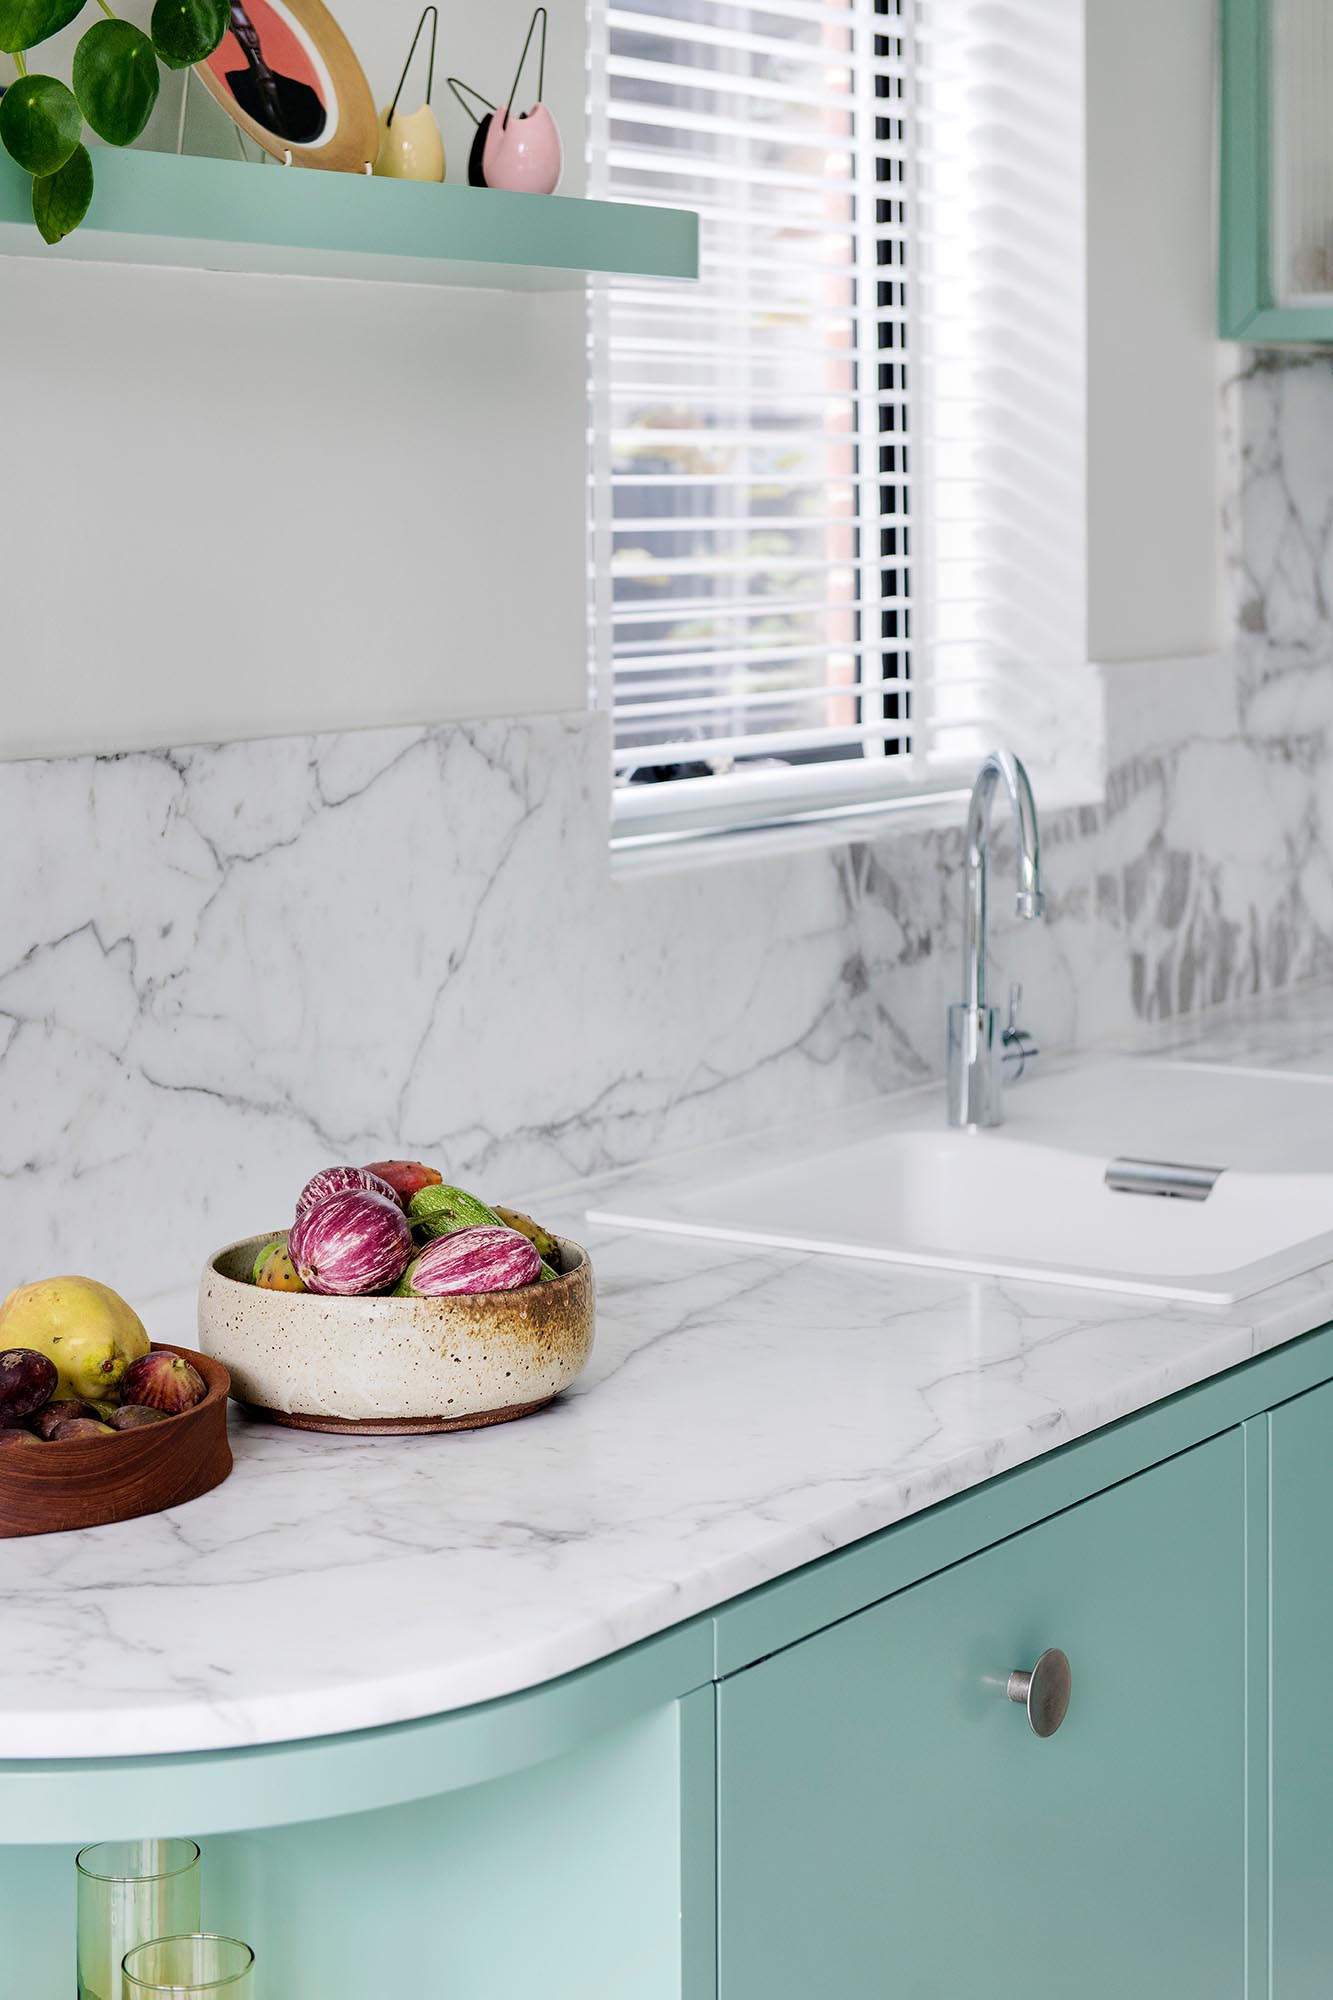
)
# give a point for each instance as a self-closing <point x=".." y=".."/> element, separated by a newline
<point x="221" y="968"/>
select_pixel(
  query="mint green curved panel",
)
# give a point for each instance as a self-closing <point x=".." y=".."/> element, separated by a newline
<point x="63" y="1800"/>
<point x="890" y="1827"/>
<point x="587" y="1876"/>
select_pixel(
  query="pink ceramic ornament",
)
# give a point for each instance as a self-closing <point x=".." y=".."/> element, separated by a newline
<point x="523" y="152"/>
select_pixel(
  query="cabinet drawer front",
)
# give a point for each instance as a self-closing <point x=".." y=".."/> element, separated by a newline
<point x="891" y="1827"/>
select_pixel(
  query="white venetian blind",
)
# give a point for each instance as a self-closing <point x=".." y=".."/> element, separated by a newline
<point x="750" y="478"/>
<point x="837" y="488"/>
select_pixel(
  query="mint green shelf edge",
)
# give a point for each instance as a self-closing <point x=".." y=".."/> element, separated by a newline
<point x="56" y="1801"/>
<point x="160" y="208"/>
<point x="1246" y="308"/>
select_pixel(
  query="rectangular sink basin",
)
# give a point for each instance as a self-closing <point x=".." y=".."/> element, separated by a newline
<point x="1030" y="1200"/>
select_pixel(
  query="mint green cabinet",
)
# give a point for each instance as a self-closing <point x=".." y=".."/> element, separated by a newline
<point x="1275" y="269"/>
<point x="890" y="1828"/>
<point x="1300" y="1687"/>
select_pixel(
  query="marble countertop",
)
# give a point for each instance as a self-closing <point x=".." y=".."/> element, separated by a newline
<point x="745" y="1411"/>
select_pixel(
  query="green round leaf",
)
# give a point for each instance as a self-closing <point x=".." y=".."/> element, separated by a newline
<point x="60" y="201"/>
<point x="25" y="23"/>
<point x="116" y="80"/>
<point x="187" y="31"/>
<point x="39" y="123"/>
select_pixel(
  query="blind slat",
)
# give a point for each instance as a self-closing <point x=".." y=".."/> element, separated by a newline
<point x="747" y="600"/>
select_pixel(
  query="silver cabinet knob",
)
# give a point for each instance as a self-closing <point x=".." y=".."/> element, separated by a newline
<point x="1044" y="1693"/>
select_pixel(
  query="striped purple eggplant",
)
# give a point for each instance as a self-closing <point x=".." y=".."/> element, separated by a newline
<point x="487" y="1258"/>
<point x="355" y="1241"/>
<point x="337" y="1180"/>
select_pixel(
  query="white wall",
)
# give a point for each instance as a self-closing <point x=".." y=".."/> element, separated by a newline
<point x="245" y="506"/>
<point x="1153" y="411"/>
<point x="373" y="509"/>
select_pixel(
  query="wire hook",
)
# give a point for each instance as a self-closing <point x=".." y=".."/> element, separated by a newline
<point x="457" y="85"/>
<point x="434" y="14"/>
<point x="539" y="13"/>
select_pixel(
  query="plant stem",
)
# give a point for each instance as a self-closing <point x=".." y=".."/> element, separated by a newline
<point x="20" y="62"/>
<point x="108" y="11"/>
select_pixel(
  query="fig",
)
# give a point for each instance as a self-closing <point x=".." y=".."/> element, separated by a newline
<point x="405" y="1177"/>
<point x="63" y="1412"/>
<point x="162" y="1381"/>
<point x="79" y="1427"/>
<point x="439" y="1211"/>
<point x="133" y="1416"/>
<point x="8" y="1437"/>
<point x="472" y="1260"/>
<point x="85" y="1328"/>
<point x="274" y="1270"/>
<point x="27" y="1382"/>
<point x="351" y="1243"/>
<point x="342" y="1180"/>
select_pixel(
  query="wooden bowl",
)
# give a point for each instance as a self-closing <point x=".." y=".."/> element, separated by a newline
<point x="395" y="1365"/>
<point x="86" y="1482"/>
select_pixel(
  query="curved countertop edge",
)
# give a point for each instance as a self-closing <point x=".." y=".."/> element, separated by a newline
<point x="176" y="1720"/>
<point x="746" y="1413"/>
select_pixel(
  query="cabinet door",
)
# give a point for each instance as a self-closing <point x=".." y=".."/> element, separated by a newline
<point x="1301" y="1667"/>
<point x="891" y="1827"/>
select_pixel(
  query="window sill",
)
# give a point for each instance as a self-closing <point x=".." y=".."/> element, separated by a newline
<point x="657" y="854"/>
<point x="695" y="848"/>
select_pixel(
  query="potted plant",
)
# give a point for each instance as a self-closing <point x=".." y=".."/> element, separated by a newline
<point x="113" y="87"/>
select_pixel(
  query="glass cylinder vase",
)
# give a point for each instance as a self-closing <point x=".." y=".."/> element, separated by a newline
<point x="130" y="1891"/>
<point x="190" y="1968"/>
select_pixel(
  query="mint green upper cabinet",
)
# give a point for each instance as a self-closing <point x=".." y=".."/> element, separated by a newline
<point x="1276" y="265"/>
<point x="890" y="1828"/>
<point x="1301" y="1666"/>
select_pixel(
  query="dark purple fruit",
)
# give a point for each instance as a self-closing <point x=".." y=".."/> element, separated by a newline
<point x="7" y="1438"/>
<point x="133" y="1416"/>
<point x="62" y="1412"/>
<point x="163" y="1381"/>
<point x="27" y="1381"/>
<point x="79" y="1427"/>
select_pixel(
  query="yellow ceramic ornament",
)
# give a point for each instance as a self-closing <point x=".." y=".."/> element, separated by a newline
<point x="411" y="146"/>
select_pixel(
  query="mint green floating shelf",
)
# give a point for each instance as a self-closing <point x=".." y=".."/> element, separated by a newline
<point x="224" y="215"/>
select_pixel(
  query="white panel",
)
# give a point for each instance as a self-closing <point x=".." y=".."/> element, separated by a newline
<point x="1153" y="506"/>
<point x="239" y="507"/>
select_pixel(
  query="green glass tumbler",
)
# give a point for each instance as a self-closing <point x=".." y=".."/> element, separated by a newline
<point x="129" y="1891"/>
<point x="190" y="1968"/>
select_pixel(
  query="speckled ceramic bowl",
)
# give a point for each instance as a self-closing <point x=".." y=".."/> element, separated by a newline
<point x="395" y="1365"/>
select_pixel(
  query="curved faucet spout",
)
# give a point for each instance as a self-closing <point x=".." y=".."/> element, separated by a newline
<point x="1029" y="901"/>
<point x="974" y="1039"/>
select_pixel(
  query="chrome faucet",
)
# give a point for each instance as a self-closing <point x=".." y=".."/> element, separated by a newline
<point x="975" y="1044"/>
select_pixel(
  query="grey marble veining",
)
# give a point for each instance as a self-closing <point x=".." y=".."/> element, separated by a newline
<point x="745" y="1411"/>
<point x="221" y="968"/>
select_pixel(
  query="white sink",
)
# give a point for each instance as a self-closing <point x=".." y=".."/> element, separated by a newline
<point x="1030" y="1200"/>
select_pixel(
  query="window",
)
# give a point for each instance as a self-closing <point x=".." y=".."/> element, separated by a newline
<point x="877" y="214"/>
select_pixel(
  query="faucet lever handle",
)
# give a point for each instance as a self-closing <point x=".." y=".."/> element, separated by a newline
<point x="1019" y="1047"/>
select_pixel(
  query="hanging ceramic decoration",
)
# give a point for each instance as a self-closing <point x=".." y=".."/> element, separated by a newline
<point x="482" y="120"/>
<point x="411" y="145"/>
<point x="520" y="153"/>
<point x="287" y="74"/>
